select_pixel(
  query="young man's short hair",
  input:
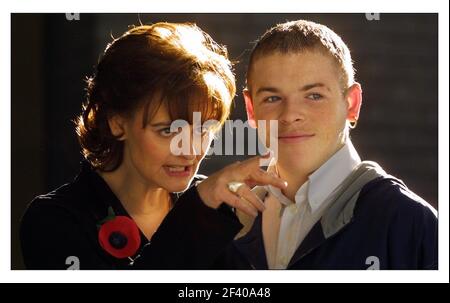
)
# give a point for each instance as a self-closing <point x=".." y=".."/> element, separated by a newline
<point x="302" y="35"/>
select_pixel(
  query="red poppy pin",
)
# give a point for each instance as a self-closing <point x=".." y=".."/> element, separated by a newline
<point x="119" y="235"/>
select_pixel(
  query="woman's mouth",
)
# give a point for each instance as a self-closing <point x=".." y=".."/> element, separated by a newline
<point x="178" y="170"/>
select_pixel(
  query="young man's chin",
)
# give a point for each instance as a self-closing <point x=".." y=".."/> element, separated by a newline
<point x="295" y="151"/>
<point x="298" y="159"/>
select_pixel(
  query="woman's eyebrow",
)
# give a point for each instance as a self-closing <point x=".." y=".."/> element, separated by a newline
<point x="314" y="85"/>
<point x="164" y="123"/>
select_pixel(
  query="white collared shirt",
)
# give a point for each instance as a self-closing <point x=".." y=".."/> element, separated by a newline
<point x="286" y="223"/>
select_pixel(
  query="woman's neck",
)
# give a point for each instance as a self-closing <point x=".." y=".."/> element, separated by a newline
<point x="137" y="197"/>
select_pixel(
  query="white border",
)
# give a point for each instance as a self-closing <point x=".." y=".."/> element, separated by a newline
<point x="230" y="6"/>
<point x="285" y="6"/>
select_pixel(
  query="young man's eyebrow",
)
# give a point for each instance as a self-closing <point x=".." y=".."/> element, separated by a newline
<point x="267" y="90"/>
<point x="306" y="87"/>
<point x="314" y="85"/>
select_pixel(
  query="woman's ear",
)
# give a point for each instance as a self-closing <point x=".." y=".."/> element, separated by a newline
<point x="249" y="108"/>
<point x="117" y="126"/>
<point x="354" y="100"/>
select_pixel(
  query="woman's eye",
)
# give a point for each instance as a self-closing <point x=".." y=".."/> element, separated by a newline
<point x="201" y="130"/>
<point x="271" y="99"/>
<point x="315" y="96"/>
<point x="165" y="132"/>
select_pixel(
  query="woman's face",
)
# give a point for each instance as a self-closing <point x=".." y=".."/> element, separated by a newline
<point x="148" y="155"/>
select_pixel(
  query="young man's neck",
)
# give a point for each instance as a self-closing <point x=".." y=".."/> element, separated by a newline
<point x="295" y="180"/>
<point x="297" y="176"/>
<point x="137" y="198"/>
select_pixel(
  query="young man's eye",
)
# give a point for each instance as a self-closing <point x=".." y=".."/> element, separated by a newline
<point x="315" y="96"/>
<point x="271" y="99"/>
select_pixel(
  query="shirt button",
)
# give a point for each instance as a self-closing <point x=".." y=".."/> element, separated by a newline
<point x="284" y="261"/>
<point x="293" y="209"/>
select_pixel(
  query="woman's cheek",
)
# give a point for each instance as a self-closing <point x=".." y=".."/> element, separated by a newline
<point x="155" y="147"/>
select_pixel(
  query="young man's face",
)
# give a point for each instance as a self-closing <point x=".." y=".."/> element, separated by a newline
<point x="303" y="92"/>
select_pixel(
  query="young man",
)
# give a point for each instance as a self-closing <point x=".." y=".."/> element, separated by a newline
<point x="338" y="212"/>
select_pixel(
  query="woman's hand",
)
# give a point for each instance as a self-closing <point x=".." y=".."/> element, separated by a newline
<point x="214" y="190"/>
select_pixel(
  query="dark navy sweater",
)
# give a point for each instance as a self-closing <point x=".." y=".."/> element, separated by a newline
<point x="391" y="228"/>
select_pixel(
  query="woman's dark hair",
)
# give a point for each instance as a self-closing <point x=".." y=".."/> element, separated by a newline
<point x="175" y="64"/>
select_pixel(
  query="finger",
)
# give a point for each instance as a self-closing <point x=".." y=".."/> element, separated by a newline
<point x="251" y="183"/>
<point x="246" y="193"/>
<point x="236" y="202"/>
<point x="261" y="177"/>
<point x="244" y="169"/>
<point x="253" y="175"/>
<point x="247" y="207"/>
<point x="267" y="155"/>
<point x="254" y="161"/>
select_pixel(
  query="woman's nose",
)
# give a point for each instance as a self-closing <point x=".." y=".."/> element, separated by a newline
<point x="195" y="147"/>
<point x="190" y="156"/>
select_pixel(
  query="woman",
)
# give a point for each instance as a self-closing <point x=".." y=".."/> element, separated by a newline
<point x="121" y="212"/>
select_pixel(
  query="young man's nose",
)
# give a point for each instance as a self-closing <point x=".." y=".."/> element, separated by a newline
<point x="291" y="113"/>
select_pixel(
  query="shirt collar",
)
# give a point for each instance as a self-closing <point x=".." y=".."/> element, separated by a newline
<point x="324" y="180"/>
<point x="328" y="176"/>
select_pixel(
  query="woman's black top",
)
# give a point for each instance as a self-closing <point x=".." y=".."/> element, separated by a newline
<point x="59" y="230"/>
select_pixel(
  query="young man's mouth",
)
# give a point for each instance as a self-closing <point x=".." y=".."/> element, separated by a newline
<point x="294" y="137"/>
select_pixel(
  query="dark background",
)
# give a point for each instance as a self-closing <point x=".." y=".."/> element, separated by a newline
<point x="395" y="57"/>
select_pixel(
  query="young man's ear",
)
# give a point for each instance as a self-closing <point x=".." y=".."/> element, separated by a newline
<point x="117" y="126"/>
<point x="249" y="108"/>
<point x="354" y="100"/>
